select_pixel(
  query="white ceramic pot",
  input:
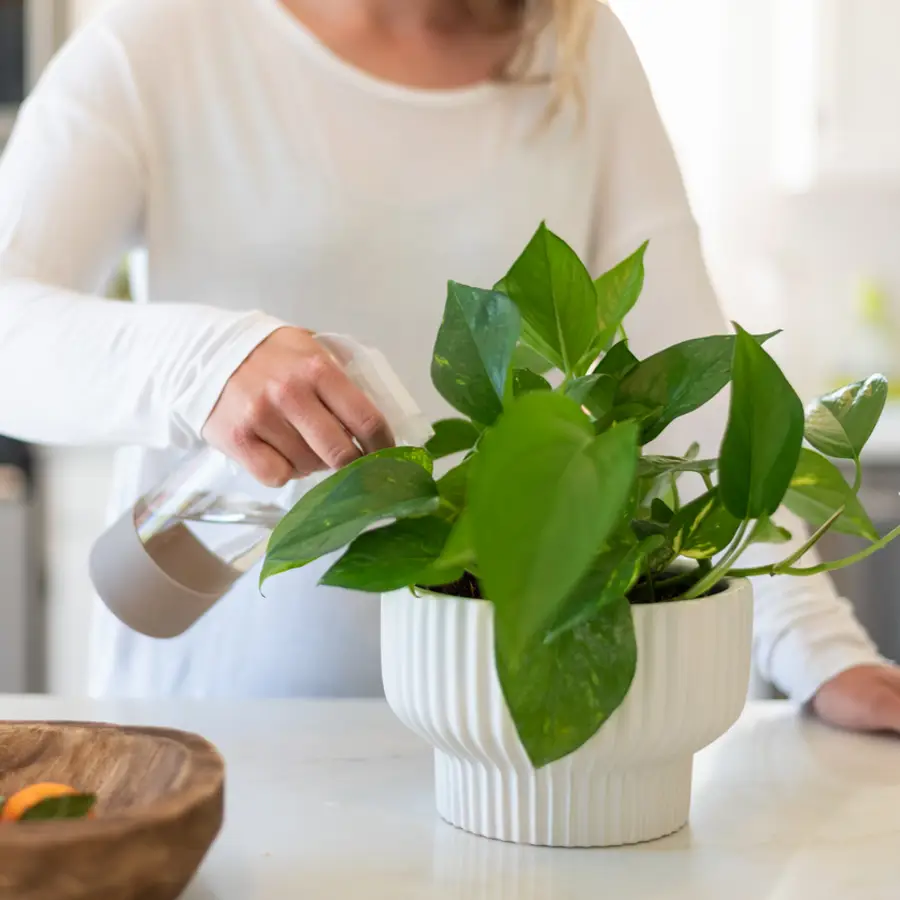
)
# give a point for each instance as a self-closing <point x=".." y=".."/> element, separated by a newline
<point x="631" y="782"/>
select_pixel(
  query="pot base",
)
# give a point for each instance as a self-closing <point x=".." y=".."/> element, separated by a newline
<point x="563" y="805"/>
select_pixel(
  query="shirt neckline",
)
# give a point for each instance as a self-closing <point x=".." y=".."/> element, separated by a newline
<point x="300" y="34"/>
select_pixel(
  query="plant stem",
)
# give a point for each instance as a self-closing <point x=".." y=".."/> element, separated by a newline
<point x="676" y="497"/>
<point x="857" y="481"/>
<point x="847" y="560"/>
<point x="741" y="539"/>
<point x="821" y="567"/>
<point x="753" y="572"/>
<point x="802" y="551"/>
<point x="707" y="480"/>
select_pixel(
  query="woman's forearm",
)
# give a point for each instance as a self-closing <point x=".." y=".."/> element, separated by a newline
<point x="77" y="369"/>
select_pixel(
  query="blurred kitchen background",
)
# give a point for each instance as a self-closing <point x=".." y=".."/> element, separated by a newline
<point x="786" y="117"/>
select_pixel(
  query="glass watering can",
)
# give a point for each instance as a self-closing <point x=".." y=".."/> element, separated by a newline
<point x="181" y="547"/>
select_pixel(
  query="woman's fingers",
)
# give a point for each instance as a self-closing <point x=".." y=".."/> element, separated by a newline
<point x="279" y="434"/>
<point x="291" y="404"/>
<point x="863" y="698"/>
<point x="260" y="459"/>
<point x="324" y="434"/>
<point x="354" y="409"/>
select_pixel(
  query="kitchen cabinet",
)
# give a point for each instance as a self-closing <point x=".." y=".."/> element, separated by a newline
<point x="835" y="90"/>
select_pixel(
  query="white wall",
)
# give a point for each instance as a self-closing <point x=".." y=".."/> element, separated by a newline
<point x="75" y="485"/>
<point x="777" y="260"/>
<point x="81" y="10"/>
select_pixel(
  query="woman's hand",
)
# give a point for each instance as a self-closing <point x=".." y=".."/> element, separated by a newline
<point x="864" y="698"/>
<point x="289" y="410"/>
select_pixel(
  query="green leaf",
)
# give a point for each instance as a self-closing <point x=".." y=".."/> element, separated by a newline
<point x="559" y="694"/>
<point x="660" y="553"/>
<point x="703" y="527"/>
<point x="611" y="576"/>
<point x="764" y="434"/>
<point x="578" y="389"/>
<point x="70" y="806"/>
<point x="452" y="488"/>
<point x="452" y="436"/>
<point x="617" y="292"/>
<point x="524" y="357"/>
<point x="617" y="362"/>
<point x="594" y="392"/>
<point x="840" y="423"/>
<point x="630" y="412"/>
<point x="459" y="551"/>
<point x="679" y="379"/>
<point x="767" y="532"/>
<point x="473" y="351"/>
<point x="817" y="490"/>
<point x="525" y="381"/>
<point x="382" y="485"/>
<point x="391" y="557"/>
<point x="660" y="511"/>
<point x="544" y="494"/>
<point x="557" y="300"/>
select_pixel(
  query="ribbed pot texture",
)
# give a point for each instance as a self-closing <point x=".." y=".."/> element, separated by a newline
<point x="631" y="782"/>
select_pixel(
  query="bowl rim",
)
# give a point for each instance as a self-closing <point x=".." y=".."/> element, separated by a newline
<point x="207" y="780"/>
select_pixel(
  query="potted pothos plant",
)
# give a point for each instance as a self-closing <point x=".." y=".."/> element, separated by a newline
<point x="562" y="627"/>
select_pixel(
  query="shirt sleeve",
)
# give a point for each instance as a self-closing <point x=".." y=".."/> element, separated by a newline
<point x="804" y="633"/>
<point x="77" y="368"/>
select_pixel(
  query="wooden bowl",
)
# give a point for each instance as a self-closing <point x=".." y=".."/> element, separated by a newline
<point x="159" y="808"/>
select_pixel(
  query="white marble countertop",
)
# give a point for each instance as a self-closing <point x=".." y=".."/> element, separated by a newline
<point x="333" y="801"/>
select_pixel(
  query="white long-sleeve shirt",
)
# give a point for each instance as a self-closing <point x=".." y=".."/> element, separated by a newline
<point x="266" y="180"/>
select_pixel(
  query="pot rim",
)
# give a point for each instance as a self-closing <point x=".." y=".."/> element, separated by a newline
<point x="733" y="585"/>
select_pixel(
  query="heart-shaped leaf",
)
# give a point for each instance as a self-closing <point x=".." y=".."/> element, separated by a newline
<point x="543" y="493"/>
<point x="452" y="489"/>
<point x="617" y="292"/>
<point x="560" y="693"/>
<point x="817" y="490"/>
<point x="640" y="415"/>
<point x="617" y="362"/>
<point x="679" y="379"/>
<point x="391" y="557"/>
<point x="452" y="436"/>
<point x="595" y="392"/>
<point x="767" y="532"/>
<point x="557" y="299"/>
<point x="380" y="486"/>
<point x="525" y="382"/>
<point x="611" y="576"/>
<point x="660" y="511"/>
<point x="524" y="357"/>
<point x="764" y="434"/>
<point x="474" y="350"/>
<point x="703" y="527"/>
<point x="840" y="423"/>
<point x="459" y="550"/>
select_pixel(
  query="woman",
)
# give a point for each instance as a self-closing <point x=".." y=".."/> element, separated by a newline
<point x="329" y="164"/>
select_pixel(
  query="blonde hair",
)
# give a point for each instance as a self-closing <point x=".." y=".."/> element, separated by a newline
<point x="572" y="26"/>
<point x="571" y="21"/>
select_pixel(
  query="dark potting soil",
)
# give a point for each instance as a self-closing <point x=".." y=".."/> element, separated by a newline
<point x="663" y="589"/>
